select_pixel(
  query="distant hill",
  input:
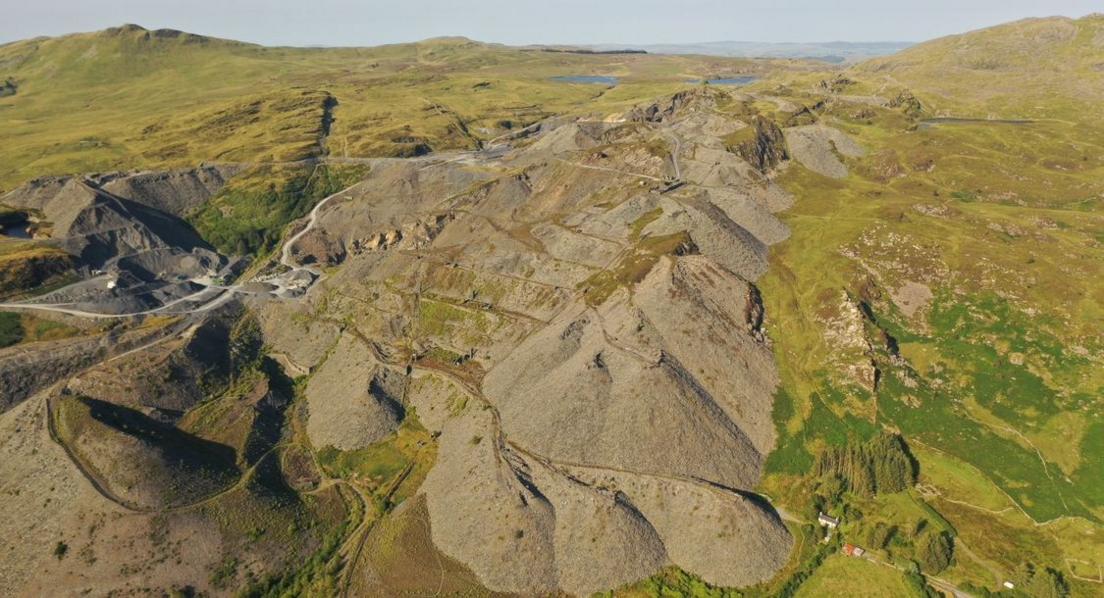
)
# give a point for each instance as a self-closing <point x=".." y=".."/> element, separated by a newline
<point x="129" y="97"/>
<point x="1032" y="67"/>
<point x="834" y="52"/>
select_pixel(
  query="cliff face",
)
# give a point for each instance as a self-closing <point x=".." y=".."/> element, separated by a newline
<point x="765" y="147"/>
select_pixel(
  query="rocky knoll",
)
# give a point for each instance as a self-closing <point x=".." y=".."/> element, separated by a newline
<point x="576" y="318"/>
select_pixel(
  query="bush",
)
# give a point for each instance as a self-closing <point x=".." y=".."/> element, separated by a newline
<point x="224" y="573"/>
<point x="1042" y="583"/>
<point x="919" y="585"/>
<point x="248" y="216"/>
<point x="878" y="537"/>
<point x="936" y="551"/>
<point x="11" y="329"/>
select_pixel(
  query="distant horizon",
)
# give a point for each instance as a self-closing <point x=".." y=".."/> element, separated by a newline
<point x="348" y="23"/>
<point x="585" y="44"/>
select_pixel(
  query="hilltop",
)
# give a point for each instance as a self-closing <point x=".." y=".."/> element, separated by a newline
<point x="127" y="98"/>
<point x="831" y="52"/>
<point x="1043" y="67"/>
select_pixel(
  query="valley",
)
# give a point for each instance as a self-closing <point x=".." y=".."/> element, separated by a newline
<point x="463" y="318"/>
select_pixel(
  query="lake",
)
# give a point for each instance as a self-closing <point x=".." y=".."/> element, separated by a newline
<point x="948" y="120"/>
<point x="738" y="81"/>
<point x="17" y="231"/>
<point x="587" y="79"/>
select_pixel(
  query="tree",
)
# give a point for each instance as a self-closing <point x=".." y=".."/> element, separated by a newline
<point x="879" y="465"/>
<point x="831" y="488"/>
<point x="936" y="551"/>
<point x="878" y="537"/>
<point x="1042" y="583"/>
<point x="11" y="329"/>
<point x="918" y="583"/>
<point x="892" y="463"/>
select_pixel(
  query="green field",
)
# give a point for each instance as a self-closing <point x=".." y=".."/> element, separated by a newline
<point x="848" y="576"/>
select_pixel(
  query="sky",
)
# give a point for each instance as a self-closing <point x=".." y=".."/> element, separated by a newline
<point x="374" y="22"/>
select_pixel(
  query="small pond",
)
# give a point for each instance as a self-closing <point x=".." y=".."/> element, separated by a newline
<point x="587" y="79"/>
<point x="948" y="120"/>
<point x="17" y="231"/>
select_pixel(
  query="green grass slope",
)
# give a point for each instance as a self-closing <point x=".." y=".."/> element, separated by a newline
<point x="1035" y="68"/>
<point x="967" y="259"/>
<point x="127" y="97"/>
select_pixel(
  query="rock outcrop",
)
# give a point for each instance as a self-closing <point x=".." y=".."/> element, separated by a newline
<point x="819" y="147"/>
<point x="766" y="147"/>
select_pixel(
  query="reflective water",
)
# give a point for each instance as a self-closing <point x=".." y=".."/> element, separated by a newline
<point x="738" y="81"/>
<point x="594" y="79"/>
<point x="18" y="231"/>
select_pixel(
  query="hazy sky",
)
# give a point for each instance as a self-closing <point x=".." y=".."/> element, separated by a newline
<point x="372" y="22"/>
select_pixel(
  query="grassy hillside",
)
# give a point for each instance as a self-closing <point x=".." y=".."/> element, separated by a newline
<point x="1035" y="68"/>
<point x="127" y="97"/>
<point x="959" y="264"/>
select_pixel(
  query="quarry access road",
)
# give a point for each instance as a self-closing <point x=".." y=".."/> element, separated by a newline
<point x="312" y="220"/>
<point x="60" y="307"/>
<point x="222" y="294"/>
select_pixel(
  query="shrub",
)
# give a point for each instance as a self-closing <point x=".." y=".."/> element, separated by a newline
<point x="11" y="329"/>
<point x="1042" y="582"/>
<point x="936" y="551"/>
<point x="878" y="537"/>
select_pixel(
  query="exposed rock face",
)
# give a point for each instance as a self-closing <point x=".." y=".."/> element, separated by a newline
<point x="413" y="235"/>
<point x="145" y="464"/>
<point x="907" y="103"/>
<point x="303" y="341"/>
<point x="168" y="379"/>
<point x="316" y="247"/>
<point x="176" y="192"/>
<point x="725" y="537"/>
<point x="26" y="369"/>
<point x="766" y="149"/>
<point x="911" y="297"/>
<point x="618" y="405"/>
<point x="664" y="110"/>
<point x="846" y="333"/>
<point x="836" y="84"/>
<point x="525" y="527"/>
<point x="140" y="240"/>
